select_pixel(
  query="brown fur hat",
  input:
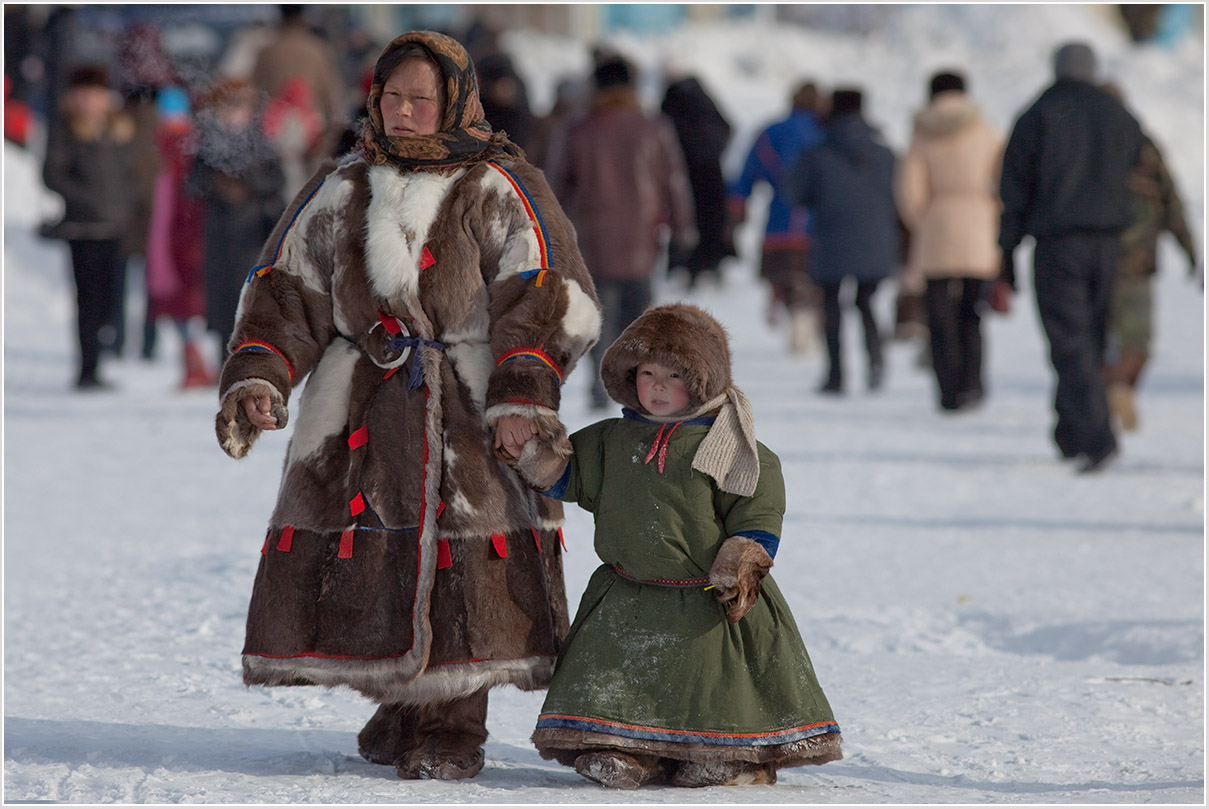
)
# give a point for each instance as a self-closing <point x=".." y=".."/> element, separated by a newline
<point x="676" y="335"/>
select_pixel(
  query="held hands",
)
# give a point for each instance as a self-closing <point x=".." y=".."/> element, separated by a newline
<point x="740" y="566"/>
<point x="537" y="448"/>
<point x="245" y="413"/>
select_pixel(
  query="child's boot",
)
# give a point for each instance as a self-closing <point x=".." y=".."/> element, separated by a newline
<point x="617" y="770"/>
<point x="722" y="774"/>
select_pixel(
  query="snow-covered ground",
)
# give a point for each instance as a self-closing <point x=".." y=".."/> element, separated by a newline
<point x="988" y="626"/>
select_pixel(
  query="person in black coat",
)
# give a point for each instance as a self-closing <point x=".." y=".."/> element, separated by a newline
<point x="703" y="133"/>
<point x="1065" y="183"/>
<point x="89" y="162"/>
<point x="847" y="183"/>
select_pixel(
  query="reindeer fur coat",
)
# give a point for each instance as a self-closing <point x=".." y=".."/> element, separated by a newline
<point x="403" y="558"/>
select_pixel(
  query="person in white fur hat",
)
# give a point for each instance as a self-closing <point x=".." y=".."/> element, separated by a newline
<point x="684" y="664"/>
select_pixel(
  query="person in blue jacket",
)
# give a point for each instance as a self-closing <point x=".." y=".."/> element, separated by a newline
<point x="784" y="254"/>
<point x="847" y="183"/>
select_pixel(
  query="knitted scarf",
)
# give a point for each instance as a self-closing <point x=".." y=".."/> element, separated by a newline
<point x="728" y="452"/>
<point x="465" y="137"/>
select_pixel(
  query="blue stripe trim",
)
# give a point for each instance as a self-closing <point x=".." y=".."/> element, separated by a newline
<point x="687" y="736"/>
<point x="557" y="491"/>
<point x="769" y="541"/>
<point x="286" y="232"/>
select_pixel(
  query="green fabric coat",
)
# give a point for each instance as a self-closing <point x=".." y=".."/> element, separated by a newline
<point x="658" y="663"/>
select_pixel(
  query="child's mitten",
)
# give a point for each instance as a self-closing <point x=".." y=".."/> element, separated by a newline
<point x="235" y="432"/>
<point x="740" y="566"/>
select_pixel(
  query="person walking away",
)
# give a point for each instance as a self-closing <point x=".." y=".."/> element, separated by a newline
<point x="847" y="183"/>
<point x="785" y="251"/>
<point x="89" y="162"/>
<point x="947" y="190"/>
<point x="307" y="106"/>
<point x="1157" y="207"/>
<point x="1065" y="182"/>
<point x="622" y="179"/>
<point x="237" y="175"/>
<point x="429" y="292"/>
<point x="703" y="133"/>
<point x="684" y="663"/>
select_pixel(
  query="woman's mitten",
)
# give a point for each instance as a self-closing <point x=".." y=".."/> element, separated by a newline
<point x="740" y="566"/>
<point x="235" y="432"/>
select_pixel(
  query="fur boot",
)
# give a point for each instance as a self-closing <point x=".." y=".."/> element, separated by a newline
<point x="804" y="331"/>
<point x="722" y="774"/>
<point x="389" y="737"/>
<point x="617" y="770"/>
<point x="450" y="740"/>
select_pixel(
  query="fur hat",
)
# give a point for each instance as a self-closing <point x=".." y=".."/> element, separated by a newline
<point x="686" y="338"/>
<point x="1075" y="60"/>
<point x="679" y="336"/>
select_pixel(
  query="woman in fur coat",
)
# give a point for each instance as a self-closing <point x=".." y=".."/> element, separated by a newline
<point x="659" y="679"/>
<point x="430" y="288"/>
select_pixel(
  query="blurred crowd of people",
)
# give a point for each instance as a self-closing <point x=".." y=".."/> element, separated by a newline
<point x="217" y="161"/>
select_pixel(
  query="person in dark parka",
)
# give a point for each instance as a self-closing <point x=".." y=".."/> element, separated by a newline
<point x="703" y="132"/>
<point x="847" y="183"/>
<point x="1065" y="183"/>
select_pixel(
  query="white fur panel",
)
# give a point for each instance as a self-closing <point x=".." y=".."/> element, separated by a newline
<point x="323" y="409"/>
<point x="520" y="254"/>
<point x="401" y="211"/>
<point x="581" y="321"/>
<point x="461" y="505"/>
<point x="472" y="362"/>
<point x="332" y="195"/>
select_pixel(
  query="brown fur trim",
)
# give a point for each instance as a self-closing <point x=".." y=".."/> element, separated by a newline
<point x="564" y="746"/>
<point x="387" y="682"/>
<point x="678" y="336"/>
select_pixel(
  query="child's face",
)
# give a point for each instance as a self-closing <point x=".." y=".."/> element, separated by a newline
<point x="661" y="390"/>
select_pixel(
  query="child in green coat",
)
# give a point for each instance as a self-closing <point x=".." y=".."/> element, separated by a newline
<point x="684" y="664"/>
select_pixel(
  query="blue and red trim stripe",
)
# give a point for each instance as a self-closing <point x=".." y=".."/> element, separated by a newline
<point x="533" y="354"/>
<point x="539" y="227"/>
<point x="570" y="722"/>
<point x="265" y="346"/>
<point x="261" y="270"/>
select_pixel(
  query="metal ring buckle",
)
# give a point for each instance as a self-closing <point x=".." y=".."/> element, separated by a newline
<point x="402" y="358"/>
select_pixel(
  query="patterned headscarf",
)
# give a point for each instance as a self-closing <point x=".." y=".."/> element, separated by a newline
<point x="464" y="137"/>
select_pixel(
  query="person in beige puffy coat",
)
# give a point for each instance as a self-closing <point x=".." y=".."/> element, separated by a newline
<point x="946" y="190"/>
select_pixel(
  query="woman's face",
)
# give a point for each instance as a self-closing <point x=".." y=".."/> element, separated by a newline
<point x="412" y="100"/>
<point x="661" y="389"/>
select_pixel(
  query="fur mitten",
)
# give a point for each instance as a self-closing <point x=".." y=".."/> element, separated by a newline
<point x="740" y="566"/>
<point x="543" y="458"/>
<point x="235" y="432"/>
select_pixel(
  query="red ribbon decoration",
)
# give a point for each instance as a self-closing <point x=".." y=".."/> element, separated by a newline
<point x="359" y="437"/>
<point x="444" y="556"/>
<point x="287" y="539"/>
<point x="346" y="544"/>
<point x="498" y="540"/>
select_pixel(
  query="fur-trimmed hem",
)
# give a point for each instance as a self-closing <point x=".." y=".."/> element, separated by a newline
<point x="380" y="679"/>
<point x="564" y="746"/>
